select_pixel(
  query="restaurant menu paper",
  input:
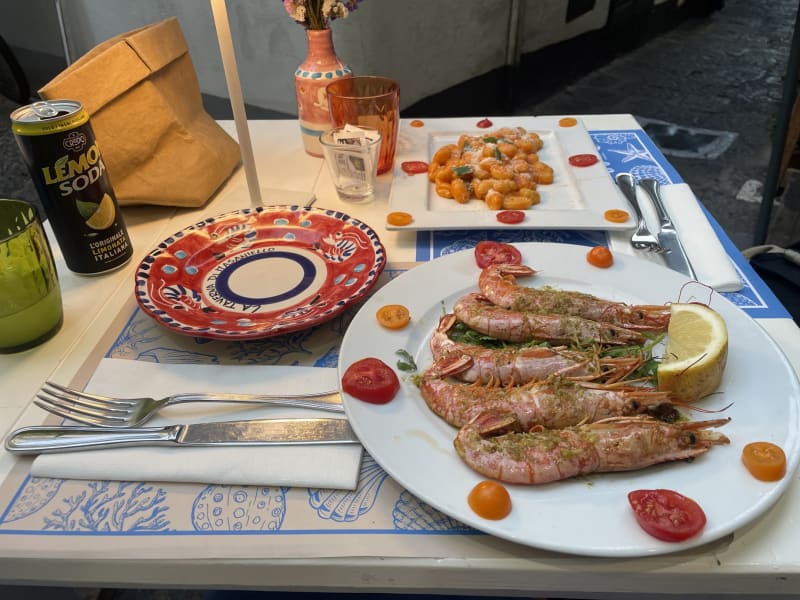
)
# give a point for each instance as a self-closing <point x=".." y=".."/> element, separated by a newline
<point x="331" y="466"/>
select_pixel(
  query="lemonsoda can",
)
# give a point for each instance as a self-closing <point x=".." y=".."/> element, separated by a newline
<point x="60" y="150"/>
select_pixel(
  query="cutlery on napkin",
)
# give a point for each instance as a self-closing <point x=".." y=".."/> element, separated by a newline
<point x="711" y="263"/>
<point x="333" y="466"/>
<point x="251" y="432"/>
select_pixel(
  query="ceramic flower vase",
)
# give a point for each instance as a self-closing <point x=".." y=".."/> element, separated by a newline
<point x="320" y="67"/>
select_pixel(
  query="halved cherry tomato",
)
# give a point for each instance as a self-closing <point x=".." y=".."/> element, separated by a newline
<point x="393" y="316"/>
<point x="417" y="123"/>
<point x="764" y="460"/>
<point x="510" y="216"/>
<point x="582" y="160"/>
<point x="496" y="253"/>
<point x="568" y="122"/>
<point x="490" y="500"/>
<point x="616" y="215"/>
<point x="412" y="167"/>
<point x="484" y="124"/>
<point x="600" y="256"/>
<point x="666" y="514"/>
<point x="371" y="380"/>
<point x="399" y="219"/>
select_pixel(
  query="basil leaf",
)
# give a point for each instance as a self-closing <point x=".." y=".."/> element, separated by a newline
<point x="490" y="139"/>
<point x="462" y="170"/>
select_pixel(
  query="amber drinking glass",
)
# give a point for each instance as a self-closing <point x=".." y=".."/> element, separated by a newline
<point x="368" y="101"/>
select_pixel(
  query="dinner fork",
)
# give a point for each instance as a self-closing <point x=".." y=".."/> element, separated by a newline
<point x="642" y="238"/>
<point x="104" y="411"/>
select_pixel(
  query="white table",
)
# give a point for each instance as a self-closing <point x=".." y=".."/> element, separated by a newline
<point x="761" y="559"/>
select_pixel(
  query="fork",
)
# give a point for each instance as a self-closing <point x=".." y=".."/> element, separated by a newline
<point x="642" y="238"/>
<point x="104" y="411"/>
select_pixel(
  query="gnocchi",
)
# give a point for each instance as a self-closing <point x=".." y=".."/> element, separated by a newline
<point x="501" y="168"/>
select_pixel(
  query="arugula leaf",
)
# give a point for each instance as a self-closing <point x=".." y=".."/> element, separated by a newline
<point x="407" y="362"/>
<point x="463" y="334"/>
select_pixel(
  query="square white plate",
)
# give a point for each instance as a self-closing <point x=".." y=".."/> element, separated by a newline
<point x="576" y="199"/>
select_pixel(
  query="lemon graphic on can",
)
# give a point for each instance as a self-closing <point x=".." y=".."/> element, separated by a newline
<point x="98" y="216"/>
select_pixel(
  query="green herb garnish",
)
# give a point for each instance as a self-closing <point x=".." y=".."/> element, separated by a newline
<point x="406" y="362"/>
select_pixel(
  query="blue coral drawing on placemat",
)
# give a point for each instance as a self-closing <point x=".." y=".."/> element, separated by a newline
<point x="112" y="506"/>
<point x="239" y="508"/>
<point x="90" y="506"/>
<point x="95" y="506"/>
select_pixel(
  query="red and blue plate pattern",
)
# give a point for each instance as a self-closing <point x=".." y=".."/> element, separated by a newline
<point x="260" y="272"/>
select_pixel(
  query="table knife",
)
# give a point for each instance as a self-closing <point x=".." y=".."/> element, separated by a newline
<point x="675" y="256"/>
<point x="261" y="432"/>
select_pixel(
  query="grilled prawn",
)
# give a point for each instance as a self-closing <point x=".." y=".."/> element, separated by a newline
<point x="555" y="402"/>
<point x="509" y="365"/>
<point x="615" y="444"/>
<point x="514" y="365"/>
<point x="498" y="284"/>
<point x="478" y="312"/>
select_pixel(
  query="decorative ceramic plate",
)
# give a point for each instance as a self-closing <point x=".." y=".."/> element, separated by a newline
<point x="577" y="198"/>
<point x="255" y="273"/>
<point x="588" y="515"/>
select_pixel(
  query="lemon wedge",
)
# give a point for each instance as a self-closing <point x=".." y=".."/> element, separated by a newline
<point x="104" y="216"/>
<point x="696" y="353"/>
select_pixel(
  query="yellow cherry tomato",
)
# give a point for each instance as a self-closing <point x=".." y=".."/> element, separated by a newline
<point x="616" y="215"/>
<point x="764" y="460"/>
<point x="393" y="316"/>
<point x="600" y="256"/>
<point x="490" y="500"/>
<point x="399" y="219"/>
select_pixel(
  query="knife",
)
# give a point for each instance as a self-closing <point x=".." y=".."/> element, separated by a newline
<point x="675" y="256"/>
<point x="262" y="432"/>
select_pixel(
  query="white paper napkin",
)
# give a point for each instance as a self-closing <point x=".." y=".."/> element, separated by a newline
<point x="711" y="263"/>
<point x="334" y="466"/>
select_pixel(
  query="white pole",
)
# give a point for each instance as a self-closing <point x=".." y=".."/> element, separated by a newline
<point x="235" y="92"/>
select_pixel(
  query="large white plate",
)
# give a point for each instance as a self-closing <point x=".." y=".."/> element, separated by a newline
<point x="576" y="199"/>
<point x="591" y="515"/>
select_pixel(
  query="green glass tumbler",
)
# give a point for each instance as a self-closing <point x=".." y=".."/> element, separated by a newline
<point x="31" y="311"/>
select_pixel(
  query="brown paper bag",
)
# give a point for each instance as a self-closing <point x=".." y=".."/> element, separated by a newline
<point x="157" y="141"/>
